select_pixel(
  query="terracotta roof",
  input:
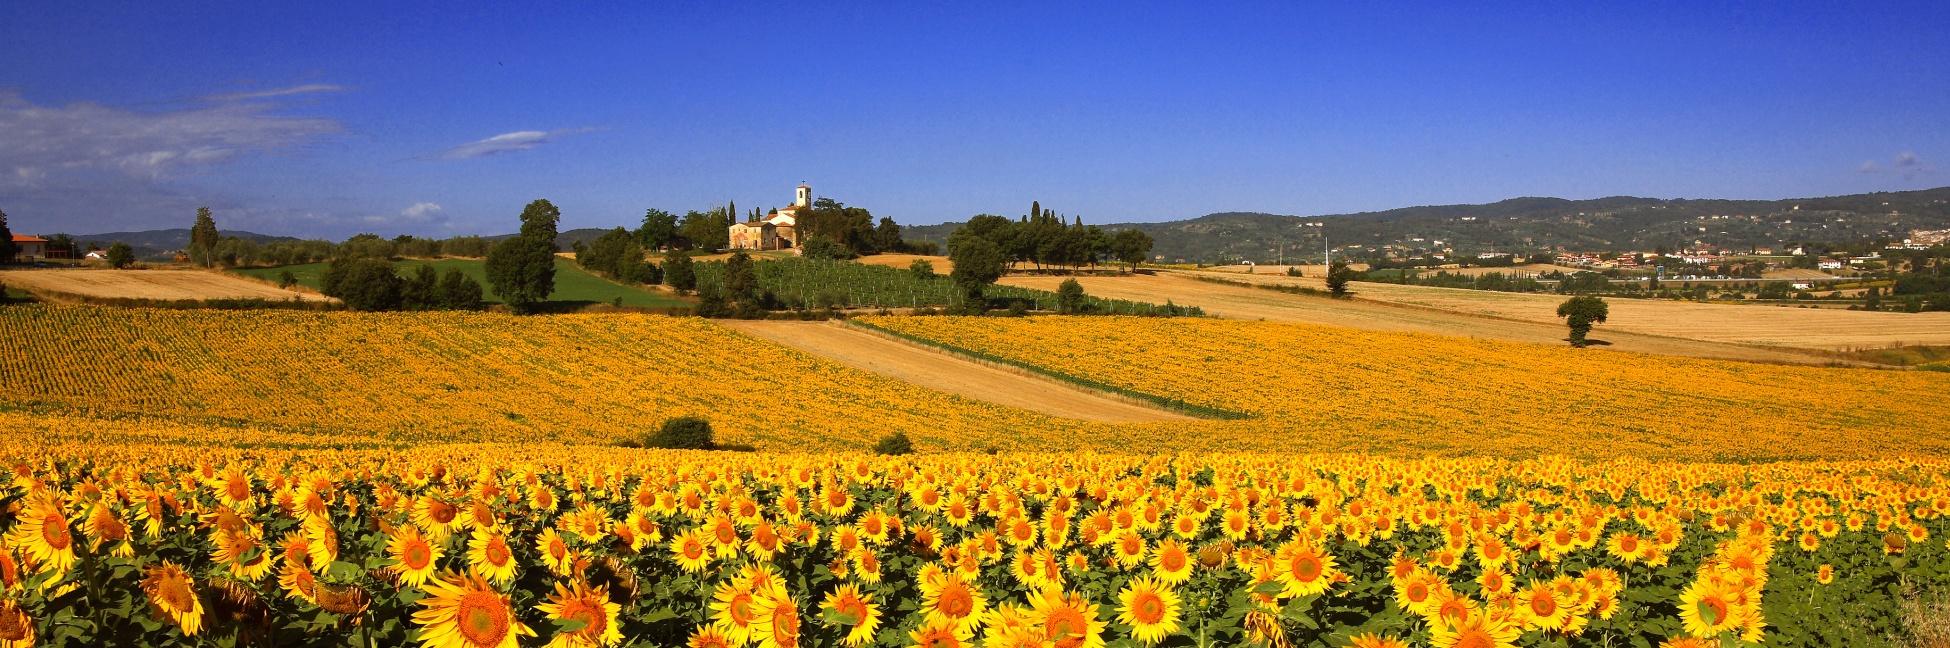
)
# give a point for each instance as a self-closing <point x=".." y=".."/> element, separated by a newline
<point x="23" y="238"/>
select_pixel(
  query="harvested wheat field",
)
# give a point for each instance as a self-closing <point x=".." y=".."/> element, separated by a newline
<point x="942" y="265"/>
<point x="1821" y="329"/>
<point x="941" y="371"/>
<point x="164" y="285"/>
<point x="1242" y="302"/>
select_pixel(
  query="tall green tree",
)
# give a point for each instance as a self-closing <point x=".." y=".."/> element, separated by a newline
<point x="887" y="236"/>
<point x="659" y="229"/>
<point x="120" y="255"/>
<point x="678" y="271"/>
<point x="204" y="238"/>
<point x="708" y="231"/>
<point x="740" y="279"/>
<point x="978" y="263"/>
<point x="522" y="268"/>
<point x="459" y="291"/>
<point x="1580" y="313"/>
<point x="1131" y="246"/>
<point x="8" y="249"/>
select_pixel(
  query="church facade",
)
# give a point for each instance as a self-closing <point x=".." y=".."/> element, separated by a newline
<point x="777" y="231"/>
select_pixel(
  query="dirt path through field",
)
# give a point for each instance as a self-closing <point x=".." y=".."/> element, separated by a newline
<point x="1242" y="302"/>
<point x="945" y="372"/>
<point x="168" y="285"/>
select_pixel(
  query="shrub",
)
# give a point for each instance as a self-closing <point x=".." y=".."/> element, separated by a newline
<point x="683" y="433"/>
<point x="364" y="284"/>
<point x="286" y="279"/>
<point x="1018" y="308"/>
<point x="922" y="269"/>
<point x="1069" y="297"/>
<point x="894" y="444"/>
<point x="460" y="292"/>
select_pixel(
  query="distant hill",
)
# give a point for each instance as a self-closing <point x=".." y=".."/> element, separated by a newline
<point x="1616" y="223"/>
<point x="167" y="239"/>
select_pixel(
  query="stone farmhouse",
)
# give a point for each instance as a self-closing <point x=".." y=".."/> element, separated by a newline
<point x="777" y="231"/>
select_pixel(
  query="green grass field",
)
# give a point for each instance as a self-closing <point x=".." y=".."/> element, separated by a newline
<point x="572" y="284"/>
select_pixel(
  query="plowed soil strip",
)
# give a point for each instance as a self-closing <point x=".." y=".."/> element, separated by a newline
<point x="942" y="371"/>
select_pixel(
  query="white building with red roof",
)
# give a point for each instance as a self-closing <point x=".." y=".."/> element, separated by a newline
<point x="777" y="231"/>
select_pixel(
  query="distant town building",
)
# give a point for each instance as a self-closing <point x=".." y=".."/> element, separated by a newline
<point x="1928" y="238"/>
<point x="777" y="231"/>
<point x="29" y="248"/>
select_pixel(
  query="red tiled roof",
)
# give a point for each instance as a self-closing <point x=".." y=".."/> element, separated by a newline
<point x="23" y="238"/>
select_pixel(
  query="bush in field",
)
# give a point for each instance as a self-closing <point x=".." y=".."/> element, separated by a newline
<point x="894" y="444"/>
<point x="1069" y="297"/>
<point x="683" y="433"/>
<point x="363" y="284"/>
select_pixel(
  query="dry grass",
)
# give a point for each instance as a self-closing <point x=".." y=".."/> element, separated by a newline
<point x="1926" y="620"/>
<point x="161" y="285"/>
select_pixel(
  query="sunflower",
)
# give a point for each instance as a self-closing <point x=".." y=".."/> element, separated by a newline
<point x="1067" y="620"/>
<point x="1709" y="607"/>
<point x="589" y="606"/>
<point x="463" y="611"/>
<point x="16" y="628"/>
<point x="708" y="637"/>
<point x="1540" y="607"/>
<point x="940" y="635"/>
<point x="172" y="595"/>
<point x="1170" y="562"/>
<point x="948" y="600"/>
<point x="490" y="556"/>
<point x="1826" y="574"/>
<point x="1371" y="640"/>
<point x="41" y="532"/>
<point x="1417" y="593"/>
<point x="414" y="557"/>
<point x="1626" y="546"/>
<point x="765" y="540"/>
<point x="1150" y="608"/>
<point x="104" y="527"/>
<point x="1476" y="631"/>
<point x="847" y="606"/>
<point x="1128" y="548"/>
<point x="866" y="566"/>
<point x="1186" y="526"/>
<point x="298" y="582"/>
<point x="437" y="517"/>
<point x="322" y="542"/>
<point x="1304" y="569"/>
<point x="776" y="622"/>
<point x="242" y="551"/>
<point x="958" y="511"/>
<point x="732" y="613"/>
<point x="555" y="552"/>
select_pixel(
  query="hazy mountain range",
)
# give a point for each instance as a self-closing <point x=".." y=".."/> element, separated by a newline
<point x="1516" y="225"/>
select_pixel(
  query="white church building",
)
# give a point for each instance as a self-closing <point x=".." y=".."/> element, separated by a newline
<point x="779" y="229"/>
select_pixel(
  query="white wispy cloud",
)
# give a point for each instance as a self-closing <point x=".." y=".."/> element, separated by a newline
<point x="86" y="165"/>
<point x="503" y="144"/>
<point x="1905" y="164"/>
<point x="38" y="140"/>
<point x="310" y="88"/>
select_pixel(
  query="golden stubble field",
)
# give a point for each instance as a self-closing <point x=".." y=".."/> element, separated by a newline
<point x="1726" y="331"/>
<point x="164" y="285"/>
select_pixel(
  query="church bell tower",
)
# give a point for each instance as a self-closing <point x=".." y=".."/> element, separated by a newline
<point x="804" y="197"/>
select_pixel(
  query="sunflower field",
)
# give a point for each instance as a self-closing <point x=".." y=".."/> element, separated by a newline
<point x="474" y="546"/>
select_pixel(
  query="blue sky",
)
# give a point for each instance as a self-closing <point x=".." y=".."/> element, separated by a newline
<point x="329" y="119"/>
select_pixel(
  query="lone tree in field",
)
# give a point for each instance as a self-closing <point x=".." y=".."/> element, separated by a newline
<point x="894" y="444"/>
<point x="522" y="269"/>
<point x="204" y="238"/>
<point x="7" y="246"/>
<point x="120" y="255"/>
<point x="1580" y="313"/>
<point x="1069" y="297"/>
<point x="1337" y="277"/>
<point x="978" y="263"/>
